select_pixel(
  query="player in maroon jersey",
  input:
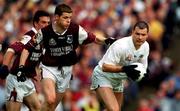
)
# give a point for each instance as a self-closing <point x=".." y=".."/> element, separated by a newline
<point x="60" y="40"/>
<point x="20" y="88"/>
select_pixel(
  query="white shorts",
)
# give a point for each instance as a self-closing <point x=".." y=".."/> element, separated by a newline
<point x="60" y="77"/>
<point x="104" y="79"/>
<point x="16" y="91"/>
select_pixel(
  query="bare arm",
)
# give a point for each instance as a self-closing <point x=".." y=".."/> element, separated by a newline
<point x="8" y="57"/>
<point x="111" y="68"/>
<point x="104" y="40"/>
<point x="4" y="69"/>
<point x="100" y="39"/>
<point x="24" y="56"/>
<point x="88" y="37"/>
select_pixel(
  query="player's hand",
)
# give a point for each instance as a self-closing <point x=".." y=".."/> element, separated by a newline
<point x="4" y="71"/>
<point x="21" y="77"/>
<point x="131" y="72"/>
<point x="109" y="41"/>
<point x="146" y="75"/>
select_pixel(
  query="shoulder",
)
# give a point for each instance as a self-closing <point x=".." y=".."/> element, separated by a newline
<point x="122" y="42"/>
<point x="16" y="44"/>
<point x="28" y="35"/>
<point x="73" y="26"/>
<point x="48" y="27"/>
<point x="44" y="32"/>
<point x="146" y="45"/>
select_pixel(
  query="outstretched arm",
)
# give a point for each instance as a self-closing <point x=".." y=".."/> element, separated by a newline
<point x="99" y="38"/>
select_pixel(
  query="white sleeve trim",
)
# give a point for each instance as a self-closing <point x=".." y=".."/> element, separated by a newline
<point x="25" y="39"/>
<point x="82" y="35"/>
<point x="10" y="50"/>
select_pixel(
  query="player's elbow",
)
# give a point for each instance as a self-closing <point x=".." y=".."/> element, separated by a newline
<point x="105" y="68"/>
<point x="111" y="68"/>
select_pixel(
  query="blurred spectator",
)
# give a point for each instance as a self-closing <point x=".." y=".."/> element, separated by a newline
<point x="144" y="105"/>
<point x="2" y="97"/>
<point x="160" y="67"/>
<point x="88" y="101"/>
<point x="176" y="101"/>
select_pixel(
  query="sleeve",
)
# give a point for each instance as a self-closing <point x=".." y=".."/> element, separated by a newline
<point x="85" y="37"/>
<point x="113" y="55"/>
<point x="30" y="45"/>
<point x="25" y="39"/>
<point x="17" y="47"/>
<point x="37" y="39"/>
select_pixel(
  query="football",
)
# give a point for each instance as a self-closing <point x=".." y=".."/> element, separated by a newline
<point x="140" y="67"/>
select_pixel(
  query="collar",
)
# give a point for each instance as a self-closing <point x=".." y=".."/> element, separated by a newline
<point x="55" y="30"/>
<point x="131" y="44"/>
<point x="34" y="30"/>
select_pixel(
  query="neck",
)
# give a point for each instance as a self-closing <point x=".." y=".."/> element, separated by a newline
<point x="57" y="29"/>
<point x="137" y="47"/>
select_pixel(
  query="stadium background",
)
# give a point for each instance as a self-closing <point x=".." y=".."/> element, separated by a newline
<point x="112" y="18"/>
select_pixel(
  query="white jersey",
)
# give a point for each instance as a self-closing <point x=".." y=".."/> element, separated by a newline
<point x="122" y="52"/>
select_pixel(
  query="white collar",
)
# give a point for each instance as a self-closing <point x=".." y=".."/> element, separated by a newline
<point x="34" y="30"/>
<point x="54" y="29"/>
<point x="131" y="43"/>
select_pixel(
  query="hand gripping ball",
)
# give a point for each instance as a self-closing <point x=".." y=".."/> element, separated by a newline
<point x="140" y="67"/>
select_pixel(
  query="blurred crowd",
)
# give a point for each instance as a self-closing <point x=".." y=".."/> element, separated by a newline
<point x="111" y="18"/>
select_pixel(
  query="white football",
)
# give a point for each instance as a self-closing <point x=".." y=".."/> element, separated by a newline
<point x="140" y="67"/>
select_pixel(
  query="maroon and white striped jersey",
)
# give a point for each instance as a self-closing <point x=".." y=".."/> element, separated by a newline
<point x="34" y="55"/>
<point x="60" y="48"/>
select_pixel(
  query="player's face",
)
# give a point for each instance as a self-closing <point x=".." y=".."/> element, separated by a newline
<point x="64" y="20"/>
<point x="139" y="36"/>
<point x="43" y="22"/>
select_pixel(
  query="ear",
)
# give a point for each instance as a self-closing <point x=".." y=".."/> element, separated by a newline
<point x="35" y="24"/>
<point x="56" y="17"/>
<point x="132" y="31"/>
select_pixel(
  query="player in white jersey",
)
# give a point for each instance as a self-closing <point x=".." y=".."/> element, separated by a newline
<point x="115" y="66"/>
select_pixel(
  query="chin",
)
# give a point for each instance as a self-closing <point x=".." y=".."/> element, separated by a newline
<point x="65" y="27"/>
<point x="139" y="44"/>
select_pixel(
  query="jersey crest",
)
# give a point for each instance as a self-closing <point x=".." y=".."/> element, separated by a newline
<point x="129" y="57"/>
<point x="52" y="42"/>
<point x="69" y="39"/>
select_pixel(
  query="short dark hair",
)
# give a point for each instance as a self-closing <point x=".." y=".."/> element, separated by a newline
<point x="62" y="8"/>
<point x="38" y="14"/>
<point x="141" y="25"/>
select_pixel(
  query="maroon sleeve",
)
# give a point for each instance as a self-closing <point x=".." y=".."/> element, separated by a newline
<point x="30" y="45"/>
<point x="17" y="47"/>
<point x="91" y="38"/>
